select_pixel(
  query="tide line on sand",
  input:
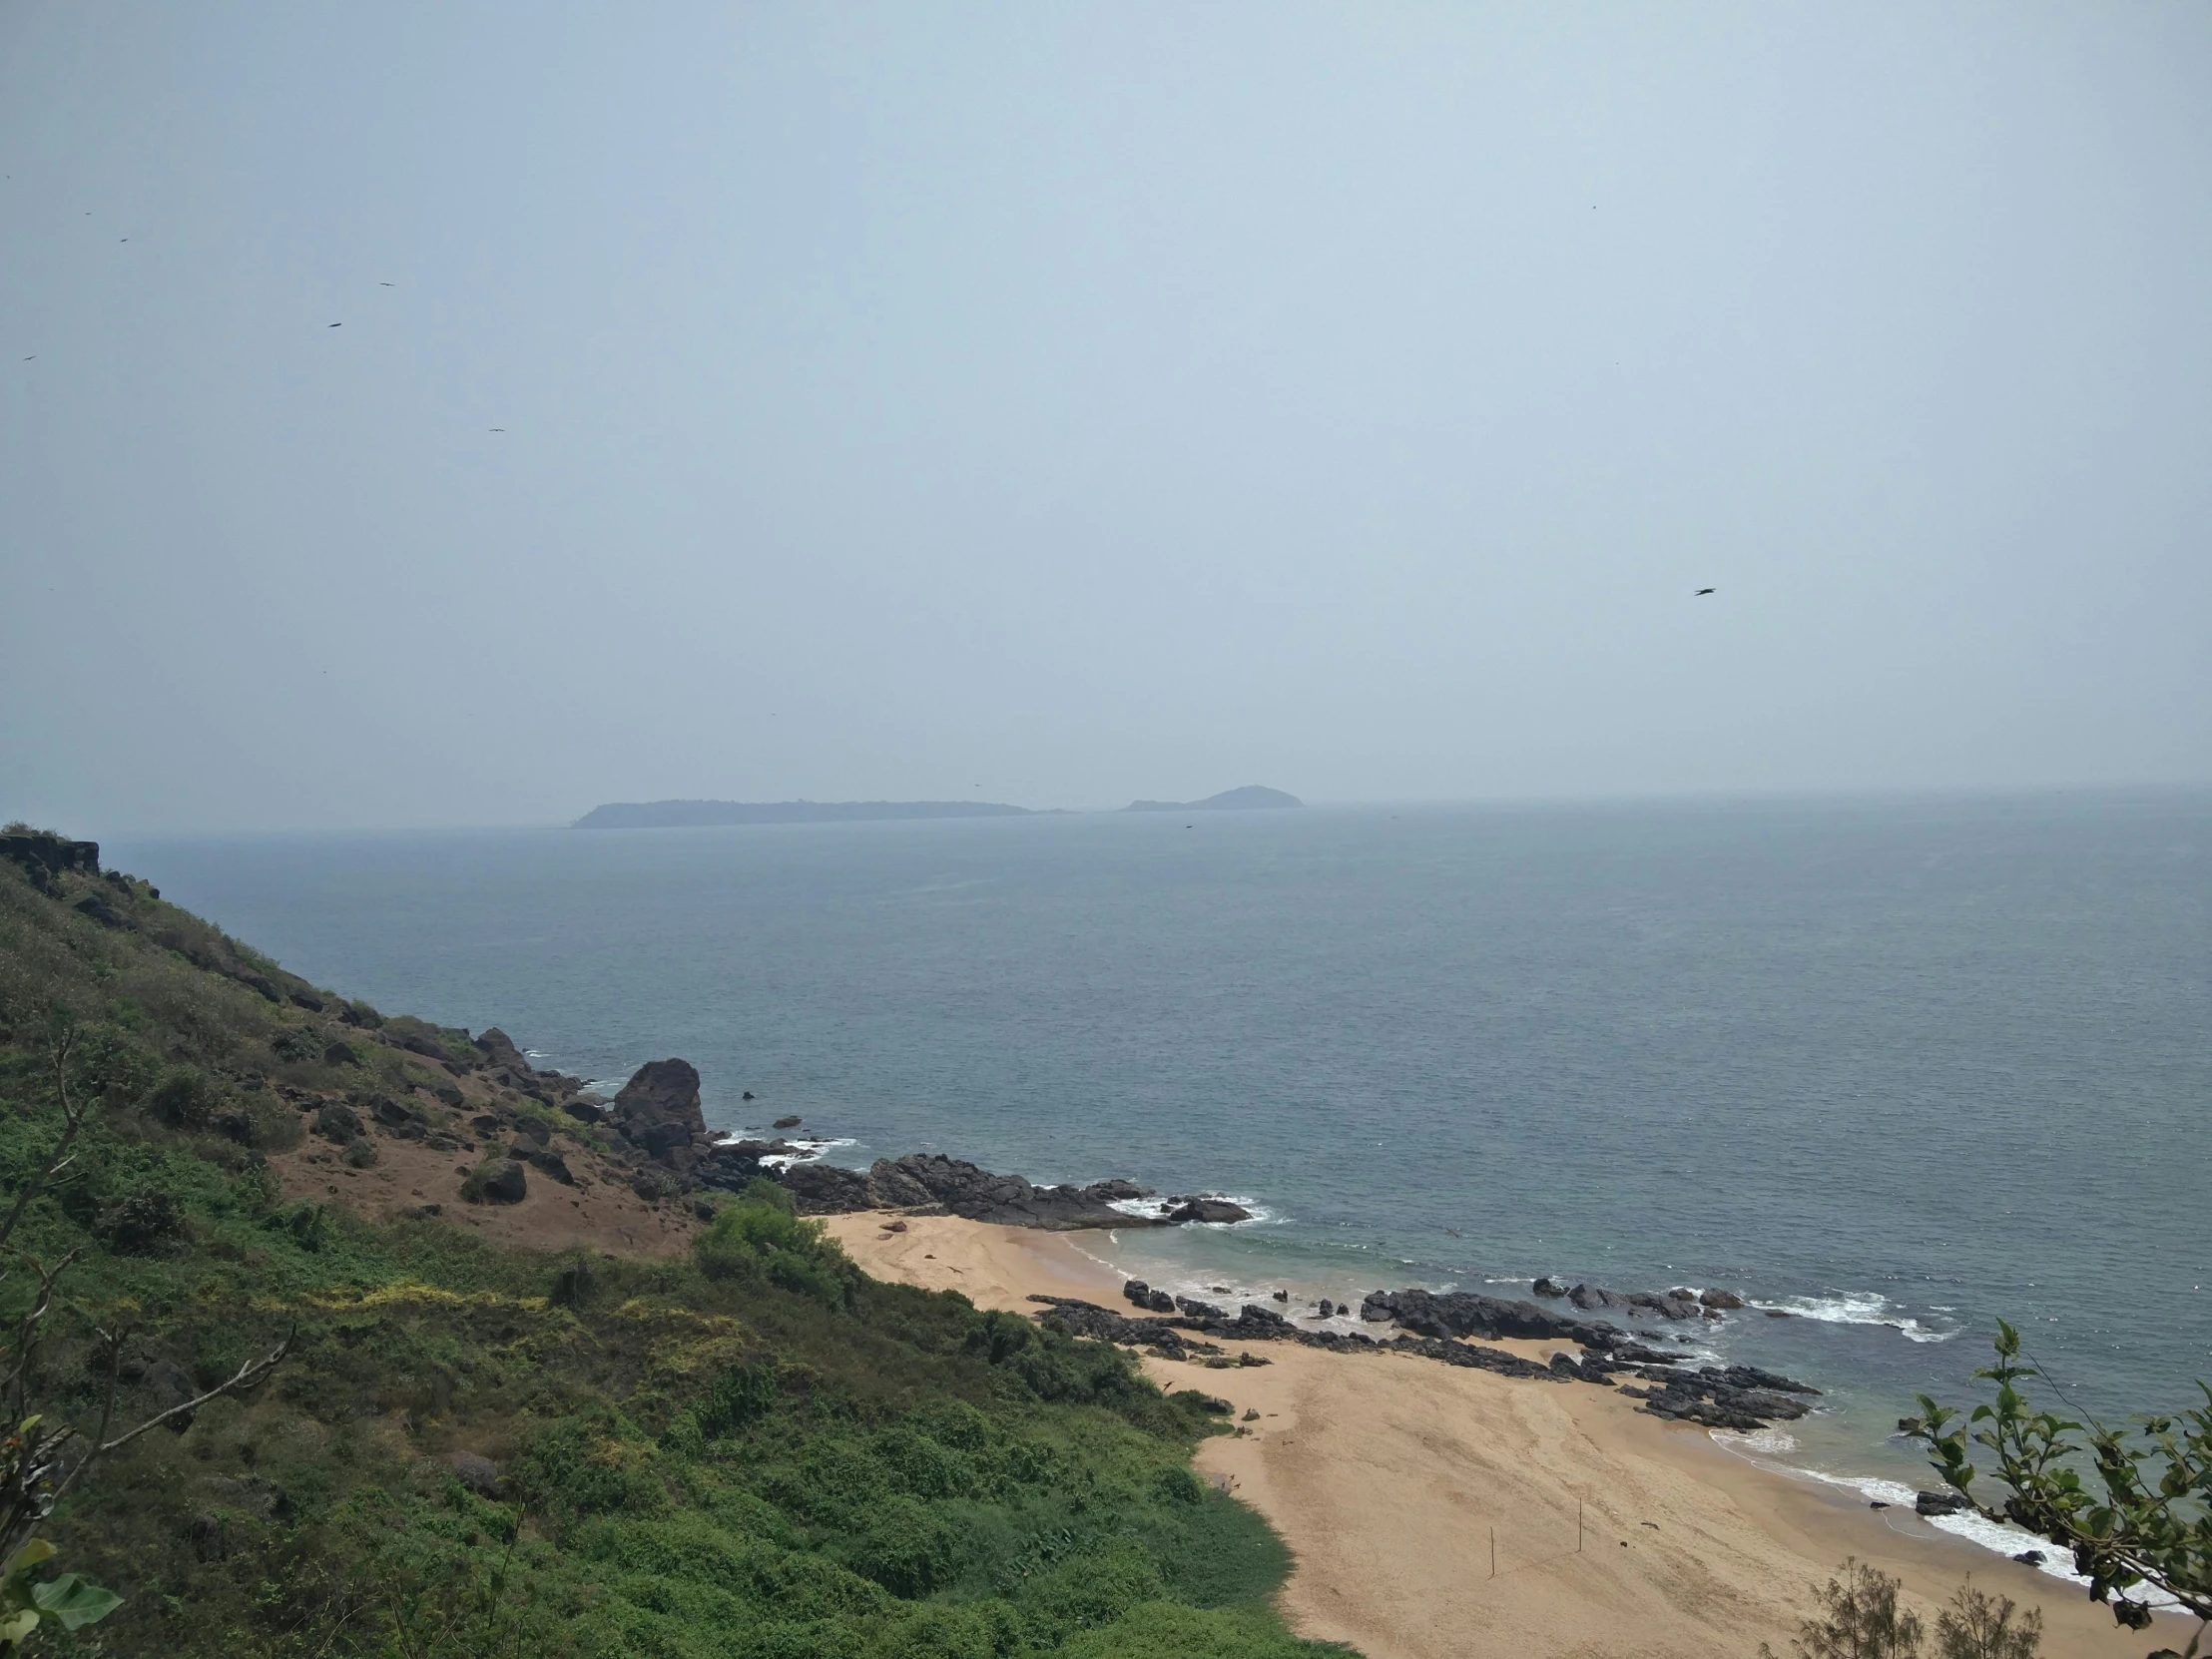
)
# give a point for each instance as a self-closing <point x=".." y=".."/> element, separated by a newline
<point x="1395" y="1478"/>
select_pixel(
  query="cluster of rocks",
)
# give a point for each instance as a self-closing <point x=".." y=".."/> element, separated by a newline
<point x="1721" y="1397"/>
<point x="1435" y="1325"/>
<point x="1670" y="1305"/>
<point x="931" y="1183"/>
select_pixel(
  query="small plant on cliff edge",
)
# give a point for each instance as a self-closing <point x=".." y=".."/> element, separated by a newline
<point x="1861" y="1619"/>
<point x="2147" y="1519"/>
<point x="1980" y="1626"/>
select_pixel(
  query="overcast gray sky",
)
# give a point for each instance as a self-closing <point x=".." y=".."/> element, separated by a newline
<point x="1061" y="403"/>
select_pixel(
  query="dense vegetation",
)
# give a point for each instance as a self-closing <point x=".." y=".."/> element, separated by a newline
<point x="757" y="1451"/>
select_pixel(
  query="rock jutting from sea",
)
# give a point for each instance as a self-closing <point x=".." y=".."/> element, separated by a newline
<point x="656" y="1122"/>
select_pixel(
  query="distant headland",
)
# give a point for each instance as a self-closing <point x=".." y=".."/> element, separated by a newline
<point x="681" y="815"/>
<point x="1229" y="800"/>
<point x="692" y="815"/>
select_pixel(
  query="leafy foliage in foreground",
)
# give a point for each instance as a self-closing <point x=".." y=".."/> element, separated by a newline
<point x="2144" y="1514"/>
<point x="758" y="1451"/>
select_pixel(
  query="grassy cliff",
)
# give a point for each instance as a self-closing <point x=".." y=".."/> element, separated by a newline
<point x="750" y="1449"/>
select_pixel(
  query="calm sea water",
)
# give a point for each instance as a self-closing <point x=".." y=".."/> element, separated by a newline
<point x="1902" y="1066"/>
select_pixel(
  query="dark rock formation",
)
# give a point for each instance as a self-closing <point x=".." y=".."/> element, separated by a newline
<point x="932" y="1180"/>
<point x="787" y="1123"/>
<point x="824" y="1188"/>
<point x="1938" y="1503"/>
<point x="1549" y="1286"/>
<point x="551" y="1163"/>
<point x="479" y="1474"/>
<point x="657" y="1112"/>
<point x="1479" y="1358"/>
<point x="1204" y="1209"/>
<point x="45" y="854"/>
<point x="338" y="1122"/>
<point x="1465" y="1314"/>
<point x="1734" y="1396"/>
<point x="501" y="1053"/>
<point x="99" y="909"/>
<point x="1724" y="1300"/>
<point x="1671" y="1305"/>
<point x="499" y="1183"/>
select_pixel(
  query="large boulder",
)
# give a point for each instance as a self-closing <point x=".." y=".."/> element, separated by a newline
<point x="657" y="1112"/>
<point x="1207" y="1210"/>
<point x="502" y="1182"/>
<point x="500" y="1050"/>
<point x="827" y="1189"/>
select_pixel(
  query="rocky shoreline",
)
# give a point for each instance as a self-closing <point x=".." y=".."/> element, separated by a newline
<point x="655" y="1126"/>
<point x="1435" y="1326"/>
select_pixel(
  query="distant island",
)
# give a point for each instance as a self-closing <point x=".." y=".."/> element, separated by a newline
<point x="687" y="814"/>
<point x="1229" y="800"/>
<point x="694" y="815"/>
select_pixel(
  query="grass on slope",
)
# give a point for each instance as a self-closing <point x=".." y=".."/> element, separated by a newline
<point x="756" y="1452"/>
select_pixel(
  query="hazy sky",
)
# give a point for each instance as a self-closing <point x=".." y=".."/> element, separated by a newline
<point x="1059" y="404"/>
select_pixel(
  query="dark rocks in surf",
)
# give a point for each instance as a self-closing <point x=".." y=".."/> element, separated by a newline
<point x="1465" y="1314"/>
<point x="1549" y="1286"/>
<point x="1939" y="1503"/>
<point x="1144" y="1296"/>
<point x="1205" y="1207"/>
<point x="1741" y="1397"/>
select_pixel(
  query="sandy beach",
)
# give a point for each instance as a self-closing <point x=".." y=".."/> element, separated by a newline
<point x="1436" y="1511"/>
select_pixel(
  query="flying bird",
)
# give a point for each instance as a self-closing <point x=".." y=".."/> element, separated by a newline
<point x="388" y="284"/>
<point x="1701" y="593"/>
<point x="1453" y="1231"/>
<point x="495" y="428"/>
<point x="338" y="325"/>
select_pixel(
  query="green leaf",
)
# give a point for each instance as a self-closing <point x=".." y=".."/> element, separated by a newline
<point x="34" y="1551"/>
<point x="72" y="1601"/>
<point x="18" y="1626"/>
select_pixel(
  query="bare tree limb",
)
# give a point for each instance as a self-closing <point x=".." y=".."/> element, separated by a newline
<point x="73" y="1119"/>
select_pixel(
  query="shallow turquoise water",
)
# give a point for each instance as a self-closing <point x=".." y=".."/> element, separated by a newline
<point x="1902" y="1065"/>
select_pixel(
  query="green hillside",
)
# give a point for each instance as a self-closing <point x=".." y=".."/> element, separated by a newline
<point x="755" y="1449"/>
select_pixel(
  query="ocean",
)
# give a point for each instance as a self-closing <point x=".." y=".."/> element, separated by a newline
<point x="1900" y="1066"/>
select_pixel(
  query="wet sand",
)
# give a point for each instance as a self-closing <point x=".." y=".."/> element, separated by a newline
<point x="1395" y="1478"/>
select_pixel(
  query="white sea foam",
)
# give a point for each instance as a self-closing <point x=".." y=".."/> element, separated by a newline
<point x="809" y="1150"/>
<point x="1859" y="1307"/>
<point x="1152" y="1209"/>
<point x="1995" y="1536"/>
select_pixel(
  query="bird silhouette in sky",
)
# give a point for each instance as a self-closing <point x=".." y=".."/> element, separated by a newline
<point x="495" y="428"/>
<point x="338" y="325"/>
<point x="388" y="284"/>
<point x="1702" y="592"/>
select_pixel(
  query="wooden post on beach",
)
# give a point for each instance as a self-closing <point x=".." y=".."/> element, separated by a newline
<point x="1578" y="1526"/>
<point x="1494" y="1552"/>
